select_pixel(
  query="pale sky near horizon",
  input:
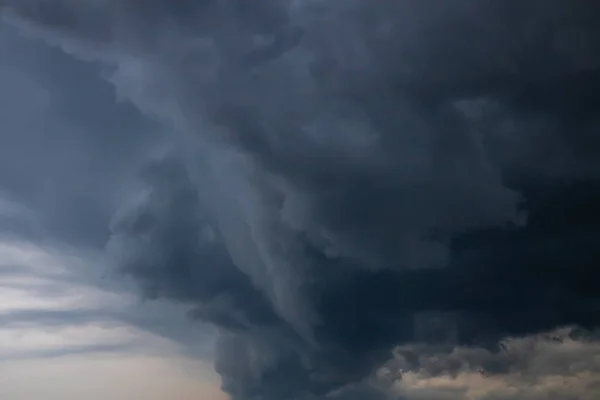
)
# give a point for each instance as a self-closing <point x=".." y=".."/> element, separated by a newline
<point x="59" y="342"/>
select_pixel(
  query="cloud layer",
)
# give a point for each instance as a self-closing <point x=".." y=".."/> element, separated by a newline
<point x="347" y="168"/>
<point x="63" y="336"/>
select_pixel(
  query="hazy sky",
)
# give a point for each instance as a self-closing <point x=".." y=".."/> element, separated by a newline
<point x="299" y="200"/>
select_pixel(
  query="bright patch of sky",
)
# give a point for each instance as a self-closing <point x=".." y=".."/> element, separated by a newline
<point x="62" y="337"/>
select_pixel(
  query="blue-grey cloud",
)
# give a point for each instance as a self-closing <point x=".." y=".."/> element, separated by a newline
<point x="69" y="149"/>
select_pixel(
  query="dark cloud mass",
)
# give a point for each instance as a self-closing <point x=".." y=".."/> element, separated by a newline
<point x="67" y="149"/>
<point x="350" y="172"/>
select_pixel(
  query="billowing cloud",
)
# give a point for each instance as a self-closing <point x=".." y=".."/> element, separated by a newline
<point x="553" y="365"/>
<point x="354" y="175"/>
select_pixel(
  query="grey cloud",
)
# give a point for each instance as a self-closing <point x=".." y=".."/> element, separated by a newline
<point x="17" y="219"/>
<point x="347" y="166"/>
<point x="70" y="351"/>
<point x="553" y="365"/>
<point x="50" y="318"/>
<point x="68" y="149"/>
<point x="168" y="244"/>
<point x="51" y="308"/>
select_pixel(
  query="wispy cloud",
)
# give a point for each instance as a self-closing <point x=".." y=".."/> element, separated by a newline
<point x="59" y="325"/>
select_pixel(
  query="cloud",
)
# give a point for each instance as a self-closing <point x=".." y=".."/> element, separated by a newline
<point x="48" y="305"/>
<point x="69" y="148"/>
<point x="553" y="365"/>
<point x="346" y="168"/>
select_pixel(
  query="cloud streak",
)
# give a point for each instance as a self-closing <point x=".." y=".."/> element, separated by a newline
<point x="57" y="326"/>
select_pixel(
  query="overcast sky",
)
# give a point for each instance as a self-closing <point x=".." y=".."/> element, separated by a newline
<point x="299" y="200"/>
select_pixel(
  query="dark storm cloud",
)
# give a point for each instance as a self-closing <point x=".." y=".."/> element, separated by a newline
<point x="67" y="148"/>
<point x="166" y="227"/>
<point x="350" y="166"/>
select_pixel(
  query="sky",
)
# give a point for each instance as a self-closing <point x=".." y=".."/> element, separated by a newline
<point x="299" y="200"/>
